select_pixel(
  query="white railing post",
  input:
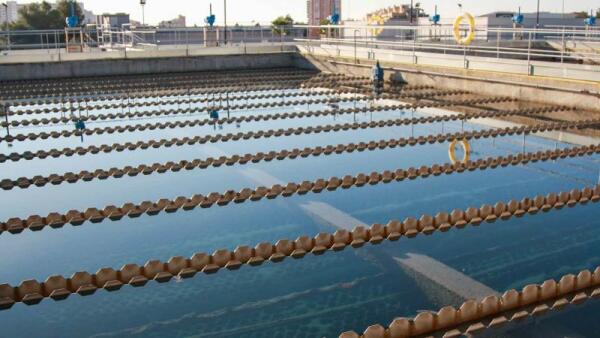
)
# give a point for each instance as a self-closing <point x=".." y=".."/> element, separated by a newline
<point x="414" y="49"/>
<point x="465" y="61"/>
<point x="529" y="72"/>
<point x="498" y="37"/>
<point x="562" y="46"/>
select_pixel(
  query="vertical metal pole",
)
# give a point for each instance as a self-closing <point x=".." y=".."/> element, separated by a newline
<point x="498" y="36"/>
<point x="7" y="27"/>
<point x="225" y="18"/>
<point x="562" y="45"/>
<point x="529" y="55"/>
<point x="414" y="49"/>
<point x="537" y="17"/>
<point x="355" y="55"/>
<point x="5" y="106"/>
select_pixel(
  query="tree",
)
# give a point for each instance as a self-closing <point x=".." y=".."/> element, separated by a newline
<point x="44" y="16"/>
<point x="40" y="16"/>
<point x="64" y="8"/>
<point x="279" y="24"/>
<point x="324" y="22"/>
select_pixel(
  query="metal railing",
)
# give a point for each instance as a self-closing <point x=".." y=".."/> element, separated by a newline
<point x="561" y="45"/>
<point x="572" y="45"/>
<point x="562" y="53"/>
<point x="131" y="37"/>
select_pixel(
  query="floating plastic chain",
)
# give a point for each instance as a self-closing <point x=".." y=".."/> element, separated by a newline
<point x="263" y="85"/>
<point x="267" y="84"/>
<point x="475" y="316"/>
<point x="28" y="155"/>
<point x="84" y="283"/>
<point x="55" y="179"/>
<point x="107" y="89"/>
<point x="252" y="80"/>
<point x="143" y="78"/>
<point x="115" y="84"/>
<point x="233" y="107"/>
<point x="70" y="106"/>
<point x="188" y="110"/>
<point x="94" y="215"/>
<point x="121" y="103"/>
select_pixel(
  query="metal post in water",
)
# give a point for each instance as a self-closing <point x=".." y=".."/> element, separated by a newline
<point x="227" y="98"/>
<point x="5" y="108"/>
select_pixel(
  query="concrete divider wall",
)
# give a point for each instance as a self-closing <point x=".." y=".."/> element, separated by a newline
<point x="580" y="94"/>
<point x="105" y="67"/>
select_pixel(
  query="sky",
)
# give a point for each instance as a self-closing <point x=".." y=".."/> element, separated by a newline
<point x="264" y="11"/>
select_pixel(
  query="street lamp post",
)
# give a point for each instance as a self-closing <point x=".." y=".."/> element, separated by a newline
<point x="225" y="18"/>
<point x="537" y="17"/>
<point x="143" y="3"/>
<point x="7" y="26"/>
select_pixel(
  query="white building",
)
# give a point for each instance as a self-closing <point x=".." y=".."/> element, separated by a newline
<point x="12" y="10"/>
<point x="89" y="16"/>
<point x="504" y="20"/>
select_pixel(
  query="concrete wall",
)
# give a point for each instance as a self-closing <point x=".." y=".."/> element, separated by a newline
<point x="80" y="68"/>
<point x="585" y="95"/>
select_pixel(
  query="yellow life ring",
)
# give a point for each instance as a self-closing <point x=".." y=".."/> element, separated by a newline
<point x="376" y="20"/>
<point x="456" y="29"/>
<point x="452" y="151"/>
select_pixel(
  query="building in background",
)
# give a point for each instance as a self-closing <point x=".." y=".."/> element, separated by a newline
<point x="503" y="19"/>
<point x="14" y="7"/>
<point x="396" y="13"/>
<point x="178" y="22"/>
<point x="389" y="16"/>
<point x="88" y="16"/>
<point x="318" y="10"/>
<point x="13" y="13"/>
<point x="113" y="20"/>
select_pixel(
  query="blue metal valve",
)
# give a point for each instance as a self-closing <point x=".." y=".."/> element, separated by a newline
<point x="72" y="20"/>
